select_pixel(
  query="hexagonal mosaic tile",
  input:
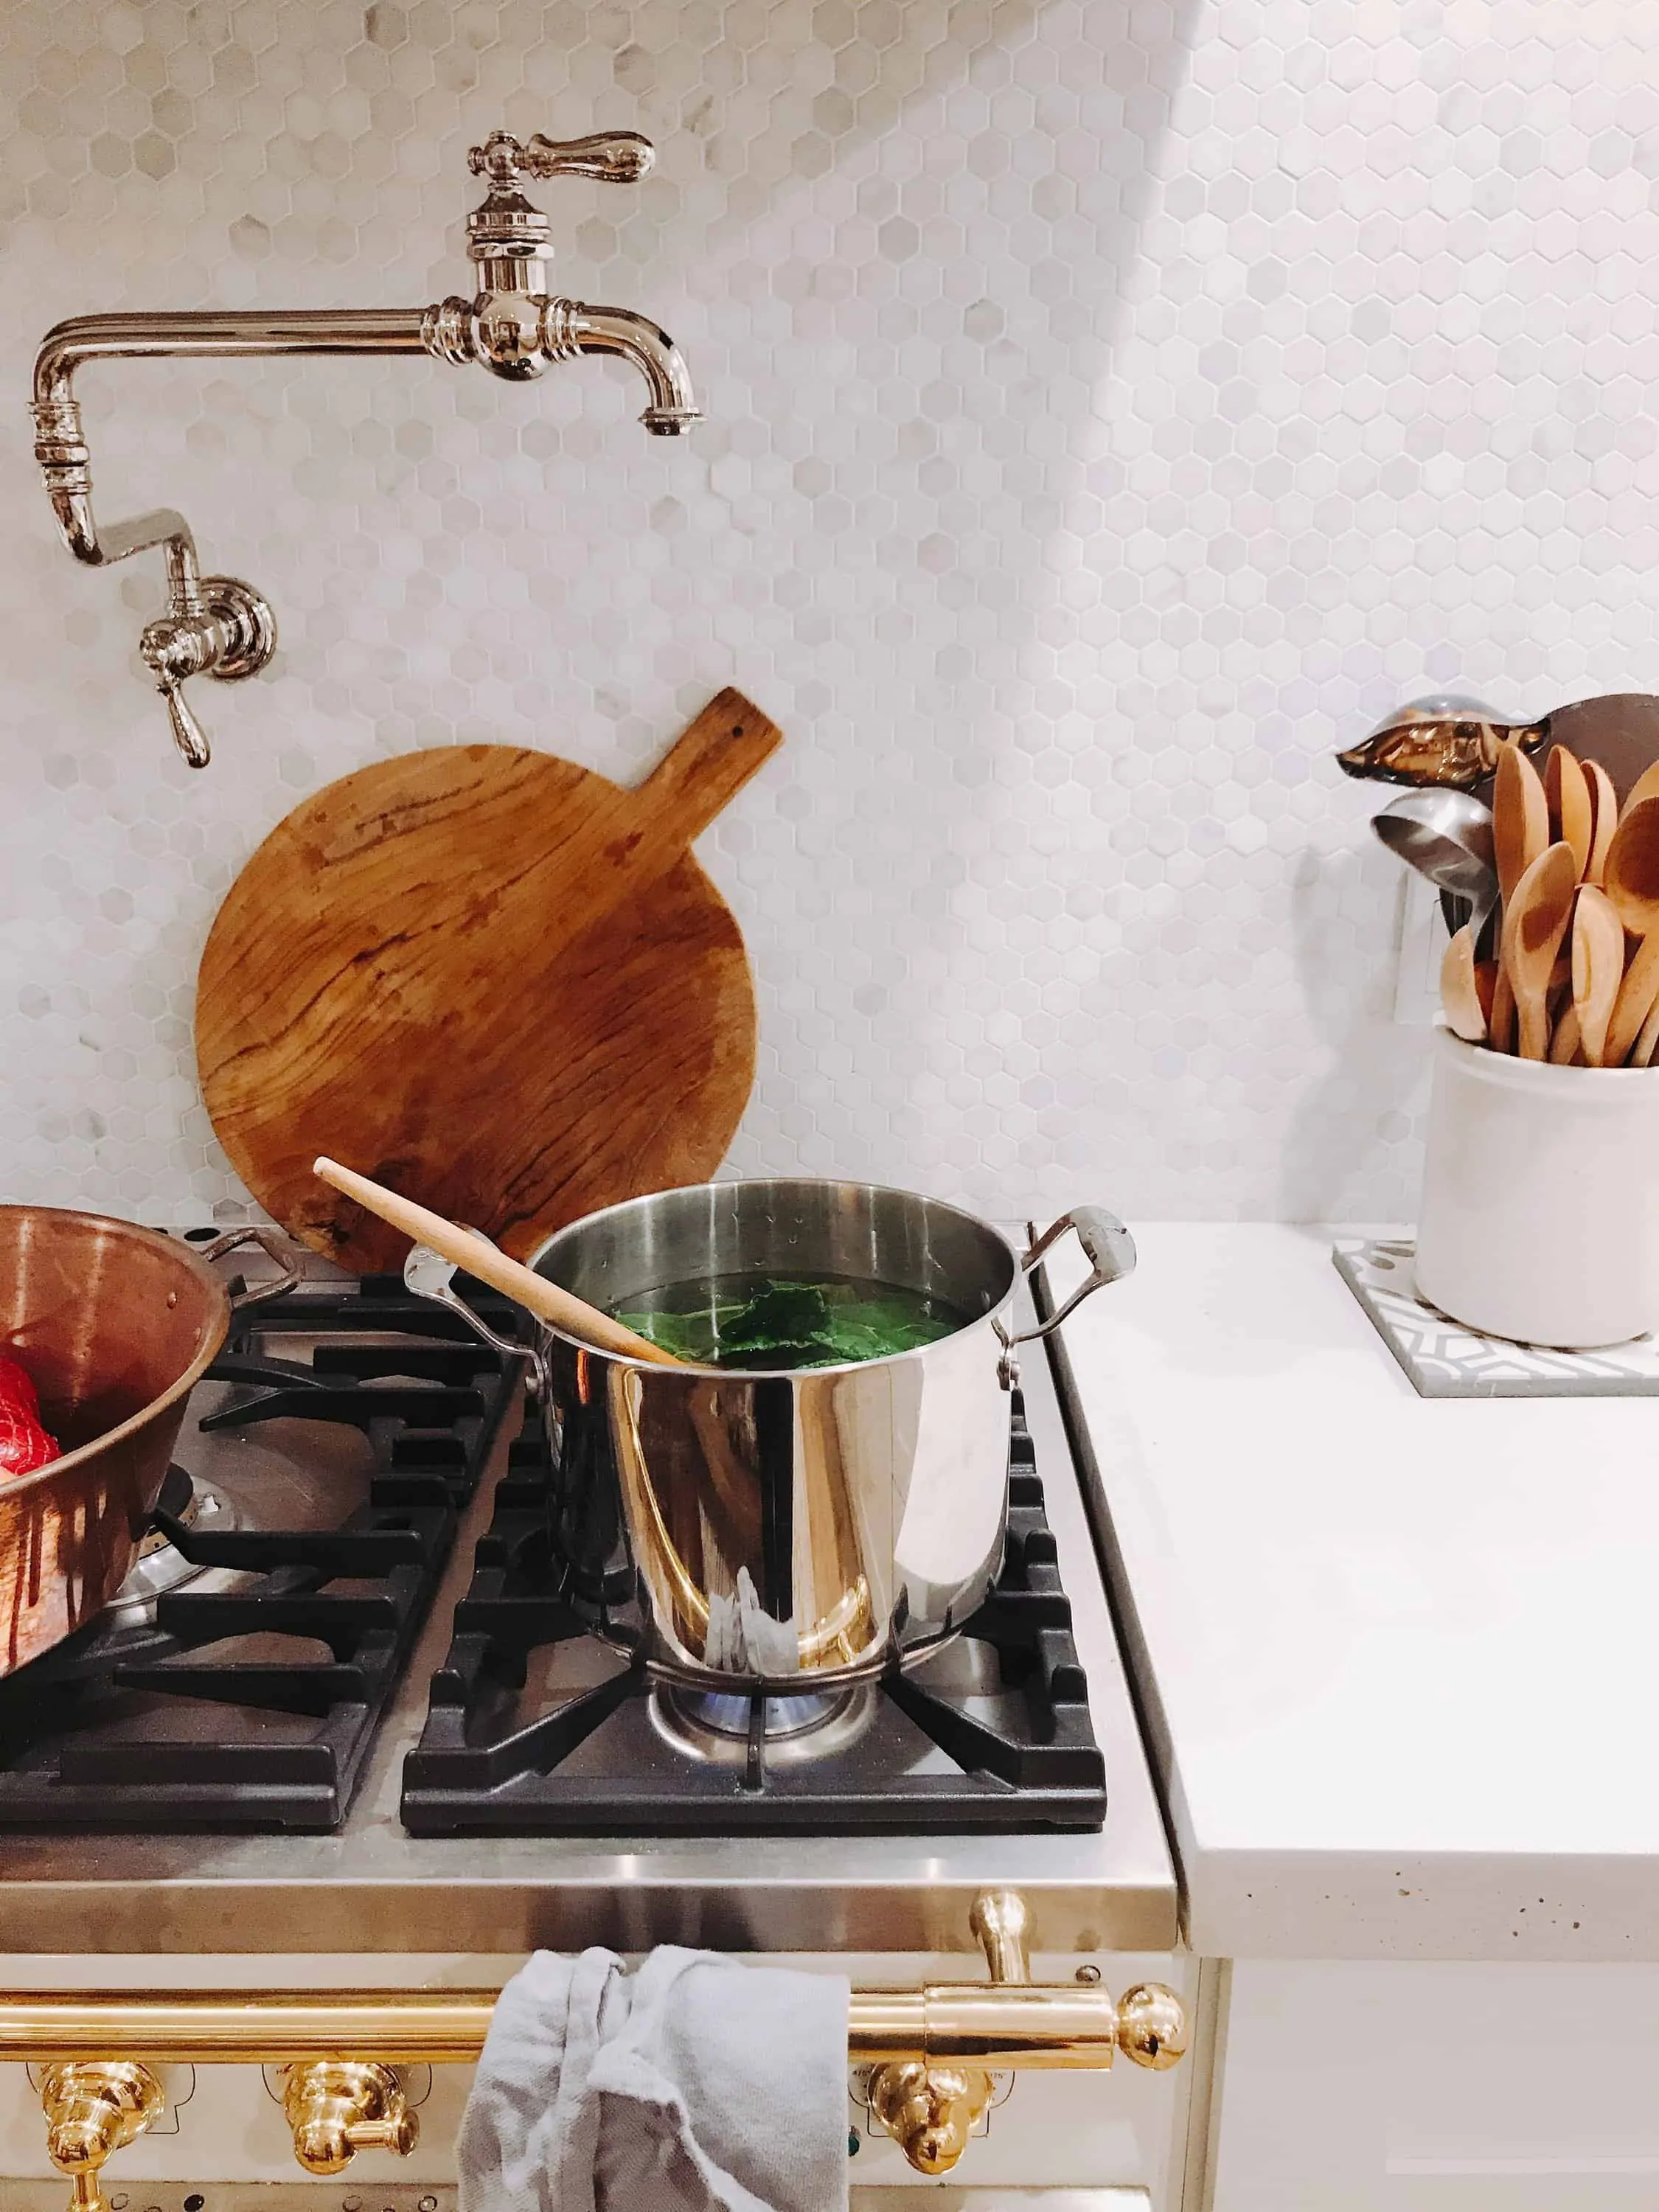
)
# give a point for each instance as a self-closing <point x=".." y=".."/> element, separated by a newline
<point x="1113" y="406"/>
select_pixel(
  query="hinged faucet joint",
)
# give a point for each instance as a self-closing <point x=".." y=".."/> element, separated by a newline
<point x="512" y="326"/>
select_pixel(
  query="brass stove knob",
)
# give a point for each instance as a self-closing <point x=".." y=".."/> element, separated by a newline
<point x="93" y="2107"/>
<point x="930" y="2111"/>
<point x="337" y="2107"/>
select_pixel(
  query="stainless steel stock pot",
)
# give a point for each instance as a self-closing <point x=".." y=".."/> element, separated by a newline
<point x="779" y="1531"/>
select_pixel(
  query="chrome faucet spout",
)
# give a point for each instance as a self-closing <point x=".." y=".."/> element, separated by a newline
<point x="218" y="626"/>
<point x="674" y="407"/>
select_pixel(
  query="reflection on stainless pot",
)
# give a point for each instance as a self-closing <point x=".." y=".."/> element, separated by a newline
<point x="752" y="1528"/>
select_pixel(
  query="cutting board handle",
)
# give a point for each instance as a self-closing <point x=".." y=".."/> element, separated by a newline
<point x="710" y="763"/>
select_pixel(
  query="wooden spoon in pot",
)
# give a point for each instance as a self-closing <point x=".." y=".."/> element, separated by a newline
<point x="1632" y="887"/>
<point x="1598" y="969"/>
<point x="1535" y="922"/>
<point x="548" y="1301"/>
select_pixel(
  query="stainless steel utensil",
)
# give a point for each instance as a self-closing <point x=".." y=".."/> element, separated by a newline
<point x="790" y="1531"/>
<point x="1447" y="742"/>
<point x="1445" y="836"/>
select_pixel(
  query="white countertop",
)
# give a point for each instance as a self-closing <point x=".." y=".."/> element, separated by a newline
<point x="1399" y="1657"/>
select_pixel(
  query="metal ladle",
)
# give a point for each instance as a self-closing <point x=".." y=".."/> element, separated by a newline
<point x="1445" y="836"/>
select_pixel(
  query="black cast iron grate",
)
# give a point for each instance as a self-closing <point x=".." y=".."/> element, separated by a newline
<point x="254" y="1707"/>
<point x="932" y="1758"/>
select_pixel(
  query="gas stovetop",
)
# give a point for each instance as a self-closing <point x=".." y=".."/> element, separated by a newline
<point x="325" y="1464"/>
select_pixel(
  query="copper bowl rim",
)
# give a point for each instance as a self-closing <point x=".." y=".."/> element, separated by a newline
<point x="182" y="1256"/>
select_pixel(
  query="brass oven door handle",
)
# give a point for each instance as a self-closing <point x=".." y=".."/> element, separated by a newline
<point x="931" y="2051"/>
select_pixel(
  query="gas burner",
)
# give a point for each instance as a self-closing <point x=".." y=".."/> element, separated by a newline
<point x="160" y="1565"/>
<point x="536" y="1727"/>
<point x="239" y="1679"/>
<point x="734" y="1729"/>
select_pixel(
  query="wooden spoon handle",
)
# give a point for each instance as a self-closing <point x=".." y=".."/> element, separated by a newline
<point x="1637" y="996"/>
<point x="1564" y="1045"/>
<point x="480" y="1258"/>
<point x="1500" y="1023"/>
<point x="1532" y="1012"/>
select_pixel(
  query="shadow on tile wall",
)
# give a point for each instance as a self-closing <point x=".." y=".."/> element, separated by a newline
<point x="1113" y="404"/>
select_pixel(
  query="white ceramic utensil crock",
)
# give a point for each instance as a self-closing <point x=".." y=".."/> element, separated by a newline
<point x="1539" y="1219"/>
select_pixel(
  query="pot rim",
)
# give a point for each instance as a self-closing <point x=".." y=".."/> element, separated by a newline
<point x="173" y="1249"/>
<point x="783" y="1374"/>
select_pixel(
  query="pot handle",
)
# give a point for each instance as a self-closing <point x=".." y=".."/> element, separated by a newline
<point x="272" y="1242"/>
<point x="1108" y="1247"/>
<point x="430" y="1276"/>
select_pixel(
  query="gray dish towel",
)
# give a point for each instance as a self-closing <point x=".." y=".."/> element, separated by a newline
<point x="695" y="2085"/>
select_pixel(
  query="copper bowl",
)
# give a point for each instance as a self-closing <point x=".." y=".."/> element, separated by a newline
<point x="115" y="1325"/>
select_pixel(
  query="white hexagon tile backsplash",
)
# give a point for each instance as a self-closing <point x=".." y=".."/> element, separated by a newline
<point x="1113" y="406"/>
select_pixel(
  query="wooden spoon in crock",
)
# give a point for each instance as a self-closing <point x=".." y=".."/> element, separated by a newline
<point x="1572" y="817"/>
<point x="1598" y="969"/>
<point x="1460" y="989"/>
<point x="1535" y="922"/>
<point x="1630" y="880"/>
<point x="1520" y="832"/>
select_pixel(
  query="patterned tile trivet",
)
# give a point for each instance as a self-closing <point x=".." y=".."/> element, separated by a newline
<point x="1444" y="1359"/>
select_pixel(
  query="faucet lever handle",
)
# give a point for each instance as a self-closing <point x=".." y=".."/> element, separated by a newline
<point x="611" y="157"/>
<point x="188" y="734"/>
<point x="216" y="627"/>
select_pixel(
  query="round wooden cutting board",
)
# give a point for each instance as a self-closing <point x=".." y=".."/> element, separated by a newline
<point x="495" y="981"/>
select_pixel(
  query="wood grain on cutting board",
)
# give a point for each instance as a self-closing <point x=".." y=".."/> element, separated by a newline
<point x="493" y="979"/>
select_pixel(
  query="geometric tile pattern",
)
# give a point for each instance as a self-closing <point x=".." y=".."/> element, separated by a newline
<point x="1445" y="1359"/>
<point x="1113" y="408"/>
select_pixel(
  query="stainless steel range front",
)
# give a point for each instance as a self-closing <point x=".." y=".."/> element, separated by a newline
<point x="344" y="1737"/>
